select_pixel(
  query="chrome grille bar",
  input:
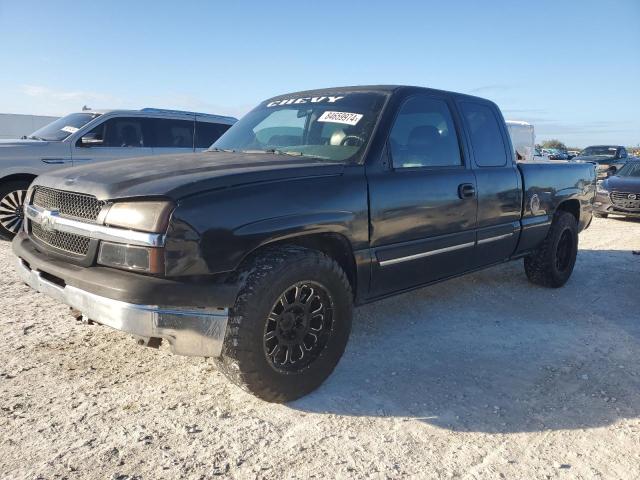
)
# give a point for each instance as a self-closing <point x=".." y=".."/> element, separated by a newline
<point x="51" y="220"/>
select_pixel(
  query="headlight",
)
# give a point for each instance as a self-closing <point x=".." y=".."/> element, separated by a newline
<point x="144" y="216"/>
<point x="600" y="188"/>
<point x="130" y="257"/>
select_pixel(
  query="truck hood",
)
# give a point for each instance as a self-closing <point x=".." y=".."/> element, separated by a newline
<point x="622" y="184"/>
<point x="178" y="176"/>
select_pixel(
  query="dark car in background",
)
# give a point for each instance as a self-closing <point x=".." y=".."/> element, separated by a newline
<point x="557" y="154"/>
<point x="620" y="194"/>
<point x="608" y="158"/>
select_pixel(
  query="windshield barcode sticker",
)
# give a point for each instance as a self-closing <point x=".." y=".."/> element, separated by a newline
<point x="341" y="117"/>
<point x="69" y="129"/>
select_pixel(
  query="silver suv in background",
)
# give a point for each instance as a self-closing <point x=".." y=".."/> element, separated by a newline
<point x="95" y="136"/>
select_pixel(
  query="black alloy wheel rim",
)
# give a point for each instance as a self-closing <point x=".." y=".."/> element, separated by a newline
<point x="11" y="210"/>
<point x="564" y="251"/>
<point x="299" y="326"/>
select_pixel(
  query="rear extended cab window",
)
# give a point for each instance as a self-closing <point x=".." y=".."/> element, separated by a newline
<point x="488" y="145"/>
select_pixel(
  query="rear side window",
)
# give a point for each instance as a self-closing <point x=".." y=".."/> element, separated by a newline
<point x="424" y="135"/>
<point x="208" y="133"/>
<point x="486" y="138"/>
<point x="172" y="133"/>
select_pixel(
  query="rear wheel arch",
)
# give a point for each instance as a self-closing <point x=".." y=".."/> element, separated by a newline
<point x="571" y="206"/>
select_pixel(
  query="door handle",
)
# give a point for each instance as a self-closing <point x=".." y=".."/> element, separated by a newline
<point x="54" y="161"/>
<point x="466" y="190"/>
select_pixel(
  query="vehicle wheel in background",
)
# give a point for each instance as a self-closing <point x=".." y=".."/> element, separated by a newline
<point x="290" y="323"/>
<point x="552" y="263"/>
<point x="600" y="215"/>
<point x="12" y="196"/>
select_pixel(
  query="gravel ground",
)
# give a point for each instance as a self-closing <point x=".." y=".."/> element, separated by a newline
<point x="484" y="376"/>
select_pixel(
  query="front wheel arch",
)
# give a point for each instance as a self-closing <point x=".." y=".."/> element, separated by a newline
<point x="334" y="245"/>
<point x="13" y="192"/>
<point x="27" y="177"/>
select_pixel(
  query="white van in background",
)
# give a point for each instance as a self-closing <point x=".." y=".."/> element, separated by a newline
<point x="523" y="138"/>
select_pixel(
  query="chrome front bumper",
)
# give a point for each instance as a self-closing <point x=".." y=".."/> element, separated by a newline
<point x="197" y="332"/>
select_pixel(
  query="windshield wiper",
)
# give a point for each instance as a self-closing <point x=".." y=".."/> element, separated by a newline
<point x="276" y="151"/>
<point x="227" y="150"/>
<point x="33" y="137"/>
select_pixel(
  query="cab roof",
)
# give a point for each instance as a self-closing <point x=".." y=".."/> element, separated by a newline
<point x="166" y="112"/>
<point x="387" y="89"/>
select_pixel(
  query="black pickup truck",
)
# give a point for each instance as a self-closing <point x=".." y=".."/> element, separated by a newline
<point x="255" y="251"/>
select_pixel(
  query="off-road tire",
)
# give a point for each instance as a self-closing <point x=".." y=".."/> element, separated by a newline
<point x="264" y="278"/>
<point x="600" y="215"/>
<point x="552" y="263"/>
<point x="5" y="191"/>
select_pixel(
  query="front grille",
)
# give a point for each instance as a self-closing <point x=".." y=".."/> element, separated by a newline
<point x="69" y="204"/>
<point x="622" y="200"/>
<point x="67" y="242"/>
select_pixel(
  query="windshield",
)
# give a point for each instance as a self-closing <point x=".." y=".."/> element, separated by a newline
<point x="609" y="152"/>
<point x="333" y="128"/>
<point x="63" y="127"/>
<point x="631" y="169"/>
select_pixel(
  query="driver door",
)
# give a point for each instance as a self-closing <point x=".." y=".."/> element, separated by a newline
<point x="423" y="210"/>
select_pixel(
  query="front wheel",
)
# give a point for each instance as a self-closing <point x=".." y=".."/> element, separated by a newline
<point x="12" y="197"/>
<point x="289" y="325"/>
<point x="552" y="263"/>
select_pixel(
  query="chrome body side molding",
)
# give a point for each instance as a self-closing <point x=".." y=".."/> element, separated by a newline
<point x="408" y="258"/>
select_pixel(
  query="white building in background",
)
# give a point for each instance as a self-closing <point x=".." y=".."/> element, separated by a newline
<point x="13" y="125"/>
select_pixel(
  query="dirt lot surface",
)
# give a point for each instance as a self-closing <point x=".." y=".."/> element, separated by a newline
<point x="485" y="376"/>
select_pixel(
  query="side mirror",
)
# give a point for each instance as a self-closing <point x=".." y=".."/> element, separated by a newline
<point x="611" y="171"/>
<point x="91" y="140"/>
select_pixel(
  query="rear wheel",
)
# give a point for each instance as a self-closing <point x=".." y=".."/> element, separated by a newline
<point x="552" y="263"/>
<point x="12" y="197"/>
<point x="290" y="324"/>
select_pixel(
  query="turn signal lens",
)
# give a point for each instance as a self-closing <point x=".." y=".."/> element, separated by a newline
<point x="130" y="257"/>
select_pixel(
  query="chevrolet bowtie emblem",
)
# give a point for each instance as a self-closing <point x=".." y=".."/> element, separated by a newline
<point x="48" y="222"/>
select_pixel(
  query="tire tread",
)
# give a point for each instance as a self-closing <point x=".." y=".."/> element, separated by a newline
<point x="538" y="266"/>
<point x="241" y="365"/>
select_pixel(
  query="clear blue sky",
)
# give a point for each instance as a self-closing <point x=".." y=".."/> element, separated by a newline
<point x="570" y="67"/>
